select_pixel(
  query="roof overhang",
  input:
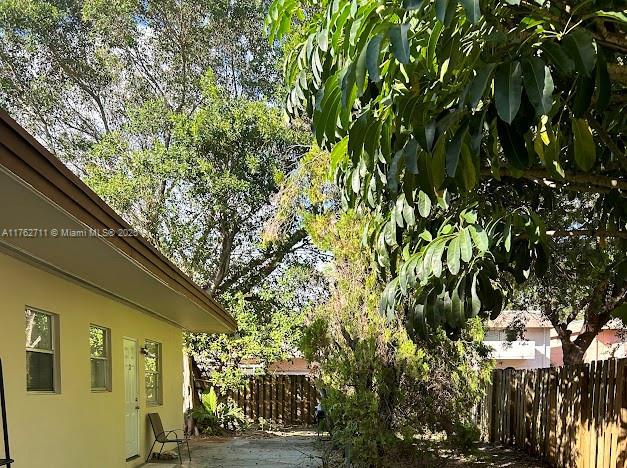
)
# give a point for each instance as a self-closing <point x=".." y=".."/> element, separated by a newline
<point x="71" y="237"/>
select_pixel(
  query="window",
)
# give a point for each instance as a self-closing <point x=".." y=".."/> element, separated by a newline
<point x="99" y="343"/>
<point x="153" y="373"/>
<point x="41" y="351"/>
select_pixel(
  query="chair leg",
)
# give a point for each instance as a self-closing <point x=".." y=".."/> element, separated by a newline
<point x="162" y="445"/>
<point x="178" y="446"/>
<point x="150" y="453"/>
<point x="189" y="454"/>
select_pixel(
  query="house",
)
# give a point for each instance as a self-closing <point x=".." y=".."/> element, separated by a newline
<point x="540" y="345"/>
<point x="532" y="352"/>
<point x="91" y="319"/>
<point x="292" y="366"/>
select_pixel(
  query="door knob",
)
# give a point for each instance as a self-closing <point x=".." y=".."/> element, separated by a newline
<point x="137" y="407"/>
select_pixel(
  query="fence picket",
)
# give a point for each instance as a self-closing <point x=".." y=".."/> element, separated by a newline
<point x="283" y="399"/>
<point x="574" y="416"/>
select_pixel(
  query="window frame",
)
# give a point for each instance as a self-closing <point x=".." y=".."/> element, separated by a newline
<point x="107" y="359"/>
<point x="158" y="401"/>
<point x="54" y="351"/>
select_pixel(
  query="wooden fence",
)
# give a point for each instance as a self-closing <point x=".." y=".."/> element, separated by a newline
<point x="572" y="416"/>
<point x="282" y="399"/>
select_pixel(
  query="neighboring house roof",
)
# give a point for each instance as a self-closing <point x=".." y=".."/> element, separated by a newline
<point x="39" y="191"/>
<point x="535" y="319"/>
<point x="531" y="318"/>
<point x="577" y="325"/>
<point x="291" y="366"/>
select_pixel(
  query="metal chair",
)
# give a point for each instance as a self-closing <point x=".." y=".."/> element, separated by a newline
<point x="163" y="437"/>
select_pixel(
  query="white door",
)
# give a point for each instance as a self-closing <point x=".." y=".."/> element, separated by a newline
<point x="131" y="398"/>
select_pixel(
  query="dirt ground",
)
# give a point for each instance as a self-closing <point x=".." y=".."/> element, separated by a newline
<point x="487" y="456"/>
<point x="303" y="448"/>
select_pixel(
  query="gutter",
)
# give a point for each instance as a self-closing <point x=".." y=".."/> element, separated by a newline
<point x="33" y="164"/>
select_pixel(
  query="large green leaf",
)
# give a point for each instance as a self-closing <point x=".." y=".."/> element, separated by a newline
<point x="452" y="256"/>
<point x="400" y="43"/>
<point x="465" y="245"/>
<point x="411" y="156"/>
<point x="480" y="237"/>
<point x="585" y="151"/>
<point x="471" y="7"/>
<point x="360" y="72"/>
<point x="513" y="145"/>
<point x="508" y="90"/>
<point x="581" y="49"/>
<point x="438" y="164"/>
<point x="584" y="89"/>
<point x="372" y="57"/>
<point x="408" y="214"/>
<point x="604" y="84"/>
<point x="467" y="171"/>
<point x="389" y="233"/>
<point x="479" y="84"/>
<point x="443" y="10"/>
<point x="538" y="84"/>
<point x="433" y="41"/>
<point x="436" y="259"/>
<point x="338" y="154"/>
<point x="425" y="135"/>
<point x="453" y="150"/>
<point x="424" y="204"/>
<point x="560" y="59"/>
<point x="618" y="16"/>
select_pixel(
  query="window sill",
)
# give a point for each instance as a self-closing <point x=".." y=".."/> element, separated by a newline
<point x="100" y="390"/>
<point x="152" y="404"/>
<point x="42" y="392"/>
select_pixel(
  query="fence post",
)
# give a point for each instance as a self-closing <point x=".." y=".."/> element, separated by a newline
<point x="622" y="420"/>
<point x="616" y="414"/>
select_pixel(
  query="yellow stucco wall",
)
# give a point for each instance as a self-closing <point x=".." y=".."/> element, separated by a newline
<point x="78" y="428"/>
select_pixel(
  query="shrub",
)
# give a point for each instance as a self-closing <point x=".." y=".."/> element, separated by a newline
<point x="215" y="417"/>
<point x="465" y="436"/>
<point x="382" y="387"/>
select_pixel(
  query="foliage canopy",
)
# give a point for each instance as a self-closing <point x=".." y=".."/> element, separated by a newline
<point x="458" y="125"/>
<point x="165" y="108"/>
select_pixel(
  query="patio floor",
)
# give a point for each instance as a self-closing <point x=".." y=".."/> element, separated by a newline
<point x="293" y="449"/>
<point x="302" y="448"/>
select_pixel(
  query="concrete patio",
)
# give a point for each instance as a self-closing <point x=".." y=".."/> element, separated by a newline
<point x="293" y="449"/>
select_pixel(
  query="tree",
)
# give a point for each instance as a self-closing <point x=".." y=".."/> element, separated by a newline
<point x="458" y="125"/>
<point x="122" y="92"/>
<point x="70" y="69"/>
<point x="377" y="382"/>
<point x="581" y="283"/>
<point x="165" y="109"/>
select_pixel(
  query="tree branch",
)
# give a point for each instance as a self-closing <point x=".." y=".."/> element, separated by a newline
<point x="594" y="180"/>
<point x="262" y="267"/>
<point x="226" y="249"/>
<point x="586" y="233"/>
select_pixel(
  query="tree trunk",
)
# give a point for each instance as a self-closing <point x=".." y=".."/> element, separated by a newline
<point x="575" y="350"/>
<point x="197" y="382"/>
<point x="191" y="398"/>
<point x="573" y="354"/>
